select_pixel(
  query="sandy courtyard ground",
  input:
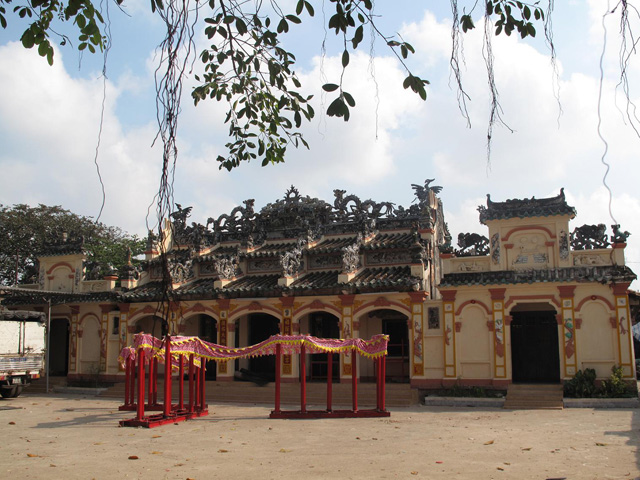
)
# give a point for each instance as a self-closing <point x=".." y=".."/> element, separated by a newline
<point x="63" y="436"/>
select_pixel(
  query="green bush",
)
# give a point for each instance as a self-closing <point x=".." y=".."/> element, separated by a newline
<point x="615" y="386"/>
<point x="582" y="385"/>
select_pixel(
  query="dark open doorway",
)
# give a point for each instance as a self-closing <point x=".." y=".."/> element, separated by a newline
<point x="59" y="347"/>
<point x="261" y="327"/>
<point x="535" y="355"/>
<point x="323" y="325"/>
<point x="209" y="332"/>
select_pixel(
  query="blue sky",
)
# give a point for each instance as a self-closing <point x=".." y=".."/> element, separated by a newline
<point x="49" y="119"/>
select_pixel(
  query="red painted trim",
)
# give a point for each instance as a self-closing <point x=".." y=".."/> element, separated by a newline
<point x="532" y="227"/>
<point x="473" y="302"/>
<point x="61" y="264"/>
<point x="551" y="298"/>
<point x="347" y="300"/>
<point x="567" y="291"/>
<point x="594" y="298"/>
<point x="508" y="319"/>
<point x="418" y="297"/>
<point x="497" y="293"/>
<point x="316" y="305"/>
<point x="508" y="246"/>
<point x="107" y="307"/>
<point x="224" y="303"/>
<point x="199" y="308"/>
<point x="620" y="288"/>
<point x="287" y="301"/>
<point x="458" y="327"/>
<point x="124" y="307"/>
<point x="90" y="314"/>
<point x="448" y="295"/>
<point x="263" y="308"/>
<point x="619" y="245"/>
<point x="398" y="306"/>
<point x="549" y="244"/>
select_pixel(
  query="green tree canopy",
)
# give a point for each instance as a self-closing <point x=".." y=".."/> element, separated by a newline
<point x="25" y="230"/>
<point x="246" y="66"/>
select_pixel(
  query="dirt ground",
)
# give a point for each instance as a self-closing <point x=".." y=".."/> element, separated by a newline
<point x="63" y="436"/>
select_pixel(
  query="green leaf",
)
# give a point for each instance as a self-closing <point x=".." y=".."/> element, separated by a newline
<point x="345" y="58"/>
<point x="241" y="26"/>
<point x="283" y="26"/>
<point x="293" y="19"/>
<point x="309" y="8"/>
<point x="349" y="99"/>
<point x="330" y="87"/>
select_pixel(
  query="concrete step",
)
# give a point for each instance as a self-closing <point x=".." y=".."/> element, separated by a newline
<point x="534" y="397"/>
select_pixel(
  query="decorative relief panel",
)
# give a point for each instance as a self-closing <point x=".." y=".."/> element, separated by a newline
<point x="271" y="264"/>
<point x="530" y="251"/>
<point x="388" y="257"/>
<point x="325" y="261"/>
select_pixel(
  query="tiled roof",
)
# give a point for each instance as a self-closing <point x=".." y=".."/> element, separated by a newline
<point x="316" y="281"/>
<point x="253" y="284"/>
<point x="148" y="291"/>
<point x="603" y="274"/>
<point x="272" y="249"/>
<point x="372" y="279"/>
<point x="525" y="208"/>
<point x="23" y="296"/>
<point x="391" y="240"/>
<point x="332" y="244"/>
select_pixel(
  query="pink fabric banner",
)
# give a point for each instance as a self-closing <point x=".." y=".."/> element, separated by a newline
<point x="290" y="344"/>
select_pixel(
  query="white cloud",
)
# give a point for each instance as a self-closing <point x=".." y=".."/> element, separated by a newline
<point x="49" y="118"/>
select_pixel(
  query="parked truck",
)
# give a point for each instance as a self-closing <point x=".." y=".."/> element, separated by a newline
<point x="22" y="350"/>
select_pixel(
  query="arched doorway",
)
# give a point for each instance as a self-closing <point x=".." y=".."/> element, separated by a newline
<point x="204" y="327"/>
<point x="393" y="323"/>
<point x="59" y="347"/>
<point x="261" y="326"/>
<point x="323" y="325"/>
<point x="152" y="325"/>
<point x="535" y="353"/>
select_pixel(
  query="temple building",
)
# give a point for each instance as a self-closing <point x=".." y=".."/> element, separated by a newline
<point x="530" y="302"/>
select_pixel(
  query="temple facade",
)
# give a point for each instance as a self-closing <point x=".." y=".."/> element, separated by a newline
<point x="531" y="302"/>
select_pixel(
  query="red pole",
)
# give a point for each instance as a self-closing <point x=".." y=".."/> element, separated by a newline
<point x="379" y="383"/>
<point x="127" y="379"/>
<point x="132" y="385"/>
<point x="140" y="411"/>
<point x="203" y="383"/>
<point x="151" y="382"/>
<point x="354" y="381"/>
<point x="155" y="380"/>
<point x="303" y="379"/>
<point x="198" y="386"/>
<point x="181" y="383"/>
<point x="167" y="376"/>
<point x="329" y="381"/>
<point x="191" y="374"/>
<point x="383" y="361"/>
<point x="278" y="367"/>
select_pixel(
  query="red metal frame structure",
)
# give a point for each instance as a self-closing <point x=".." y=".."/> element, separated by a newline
<point x="171" y="413"/>
<point x="149" y="351"/>
<point x="329" y="412"/>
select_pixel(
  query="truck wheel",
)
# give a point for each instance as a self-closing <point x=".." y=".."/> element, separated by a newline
<point x="17" y="392"/>
<point x="9" y="392"/>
